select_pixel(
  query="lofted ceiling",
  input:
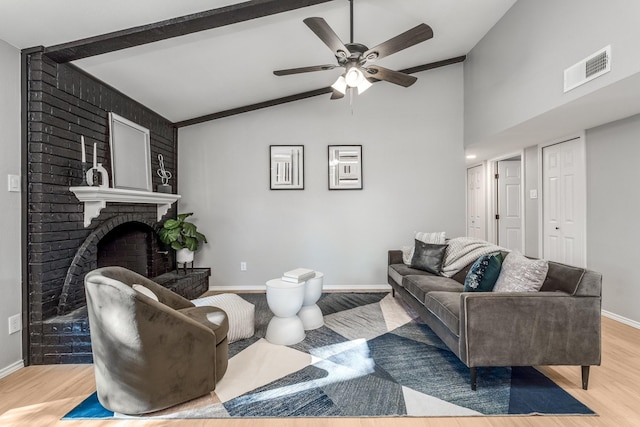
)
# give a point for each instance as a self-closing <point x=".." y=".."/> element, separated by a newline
<point x="198" y="74"/>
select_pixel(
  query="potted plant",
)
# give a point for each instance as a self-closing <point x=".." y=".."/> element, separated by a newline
<point x="183" y="236"/>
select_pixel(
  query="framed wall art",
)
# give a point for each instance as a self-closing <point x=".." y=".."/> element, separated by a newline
<point x="345" y="167"/>
<point x="130" y="154"/>
<point x="286" y="167"/>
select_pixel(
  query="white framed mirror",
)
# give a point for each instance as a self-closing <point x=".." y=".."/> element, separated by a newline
<point x="130" y="154"/>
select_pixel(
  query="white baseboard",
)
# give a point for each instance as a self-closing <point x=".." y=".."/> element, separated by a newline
<point x="334" y="288"/>
<point x="11" y="368"/>
<point x="621" y="319"/>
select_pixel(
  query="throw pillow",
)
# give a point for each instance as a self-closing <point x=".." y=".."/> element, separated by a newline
<point x="520" y="274"/>
<point x="145" y="291"/>
<point x="438" y="238"/>
<point x="483" y="273"/>
<point x="428" y="257"/>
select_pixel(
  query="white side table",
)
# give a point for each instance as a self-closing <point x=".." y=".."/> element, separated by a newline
<point x="285" y="300"/>
<point x="310" y="313"/>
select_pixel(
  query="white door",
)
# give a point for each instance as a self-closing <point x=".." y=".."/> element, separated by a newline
<point x="564" y="202"/>
<point x="510" y="204"/>
<point x="475" y="202"/>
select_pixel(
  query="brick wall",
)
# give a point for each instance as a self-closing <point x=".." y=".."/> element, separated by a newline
<point x="64" y="103"/>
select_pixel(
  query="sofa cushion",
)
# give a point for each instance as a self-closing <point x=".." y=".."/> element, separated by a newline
<point x="446" y="307"/>
<point x="484" y="273"/>
<point x="420" y="285"/>
<point x="520" y="274"/>
<point x="428" y="257"/>
<point x="398" y="271"/>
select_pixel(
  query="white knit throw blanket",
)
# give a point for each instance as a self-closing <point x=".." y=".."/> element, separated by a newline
<point x="462" y="251"/>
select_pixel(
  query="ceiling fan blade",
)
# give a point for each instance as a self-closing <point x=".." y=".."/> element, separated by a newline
<point x="320" y="27"/>
<point x="304" y="69"/>
<point x="396" y="77"/>
<point x="402" y="41"/>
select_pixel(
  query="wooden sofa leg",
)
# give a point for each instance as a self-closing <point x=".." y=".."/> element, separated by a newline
<point x="585" y="377"/>
<point x="474" y="378"/>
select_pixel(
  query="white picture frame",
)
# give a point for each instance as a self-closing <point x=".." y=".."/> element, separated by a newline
<point x="286" y="167"/>
<point x="130" y="154"/>
<point x="345" y="167"/>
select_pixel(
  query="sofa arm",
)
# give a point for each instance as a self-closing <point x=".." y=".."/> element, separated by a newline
<point x="527" y="329"/>
<point x="394" y="257"/>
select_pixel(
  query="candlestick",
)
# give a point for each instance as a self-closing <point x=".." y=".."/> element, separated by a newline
<point x="95" y="156"/>
<point x="84" y="154"/>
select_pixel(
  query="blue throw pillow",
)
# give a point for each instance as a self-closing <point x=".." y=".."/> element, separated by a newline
<point x="483" y="274"/>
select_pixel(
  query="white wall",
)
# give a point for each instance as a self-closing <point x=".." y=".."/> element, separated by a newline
<point x="613" y="154"/>
<point x="414" y="180"/>
<point x="10" y="270"/>
<point x="515" y="73"/>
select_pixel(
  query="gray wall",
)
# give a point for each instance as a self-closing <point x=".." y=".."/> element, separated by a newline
<point x="515" y="72"/>
<point x="613" y="245"/>
<point x="414" y="180"/>
<point x="530" y="163"/>
<point x="10" y="271"/>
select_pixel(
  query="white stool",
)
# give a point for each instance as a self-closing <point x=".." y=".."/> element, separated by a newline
<point x="310" y="313"/>
<point x="285" y="300"/>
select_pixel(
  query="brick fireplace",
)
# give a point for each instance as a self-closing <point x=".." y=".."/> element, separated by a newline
<point x="61" y="103"/>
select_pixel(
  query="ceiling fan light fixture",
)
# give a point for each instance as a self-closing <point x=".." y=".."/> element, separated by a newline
<point x="364" y="85"/>
<point x="354" y="77"/>
<point x="340" y="85"/>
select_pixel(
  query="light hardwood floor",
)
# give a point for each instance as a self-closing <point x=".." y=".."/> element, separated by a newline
<point x="39" y="396"/>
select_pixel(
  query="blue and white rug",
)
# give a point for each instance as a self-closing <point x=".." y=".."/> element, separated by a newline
<point x="373" y="358"/>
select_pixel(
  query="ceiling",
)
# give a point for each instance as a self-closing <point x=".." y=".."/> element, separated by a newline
<point x="232" y="66"/>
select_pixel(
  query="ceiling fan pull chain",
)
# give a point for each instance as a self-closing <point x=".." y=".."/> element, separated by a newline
<point x="351" y="92"/>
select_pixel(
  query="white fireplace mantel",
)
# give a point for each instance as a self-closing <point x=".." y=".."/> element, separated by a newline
<point x="95" y="199"/>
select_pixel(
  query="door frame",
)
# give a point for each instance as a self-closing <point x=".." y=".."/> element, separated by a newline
<point x="492" y="196"/>
<point x="581" y="137"/>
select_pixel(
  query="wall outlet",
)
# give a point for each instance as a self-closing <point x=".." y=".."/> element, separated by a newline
<point x="15" y="324"/>
<point x="243" y="266"/>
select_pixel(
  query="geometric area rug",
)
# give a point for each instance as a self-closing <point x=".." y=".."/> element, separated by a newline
<point x="372" y="358"/>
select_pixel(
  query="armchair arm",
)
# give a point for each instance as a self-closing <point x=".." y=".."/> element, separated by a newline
<point x="530" y="328"/>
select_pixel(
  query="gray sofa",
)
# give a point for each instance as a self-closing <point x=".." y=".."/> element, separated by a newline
<point x="559" y="325"/>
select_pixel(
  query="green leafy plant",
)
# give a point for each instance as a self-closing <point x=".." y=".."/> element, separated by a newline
<point x="181" y="234"/>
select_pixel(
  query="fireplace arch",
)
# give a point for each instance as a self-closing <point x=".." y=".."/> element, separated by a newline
<point x="86" y="258"/>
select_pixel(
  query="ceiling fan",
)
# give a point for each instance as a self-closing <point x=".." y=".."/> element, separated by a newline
<point x="357" y="59"/>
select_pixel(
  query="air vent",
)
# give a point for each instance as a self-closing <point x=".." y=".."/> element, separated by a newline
<point x="588" y="69"/>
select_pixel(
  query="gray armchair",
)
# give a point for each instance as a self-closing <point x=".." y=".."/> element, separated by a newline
<point x="150" y="355"/>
